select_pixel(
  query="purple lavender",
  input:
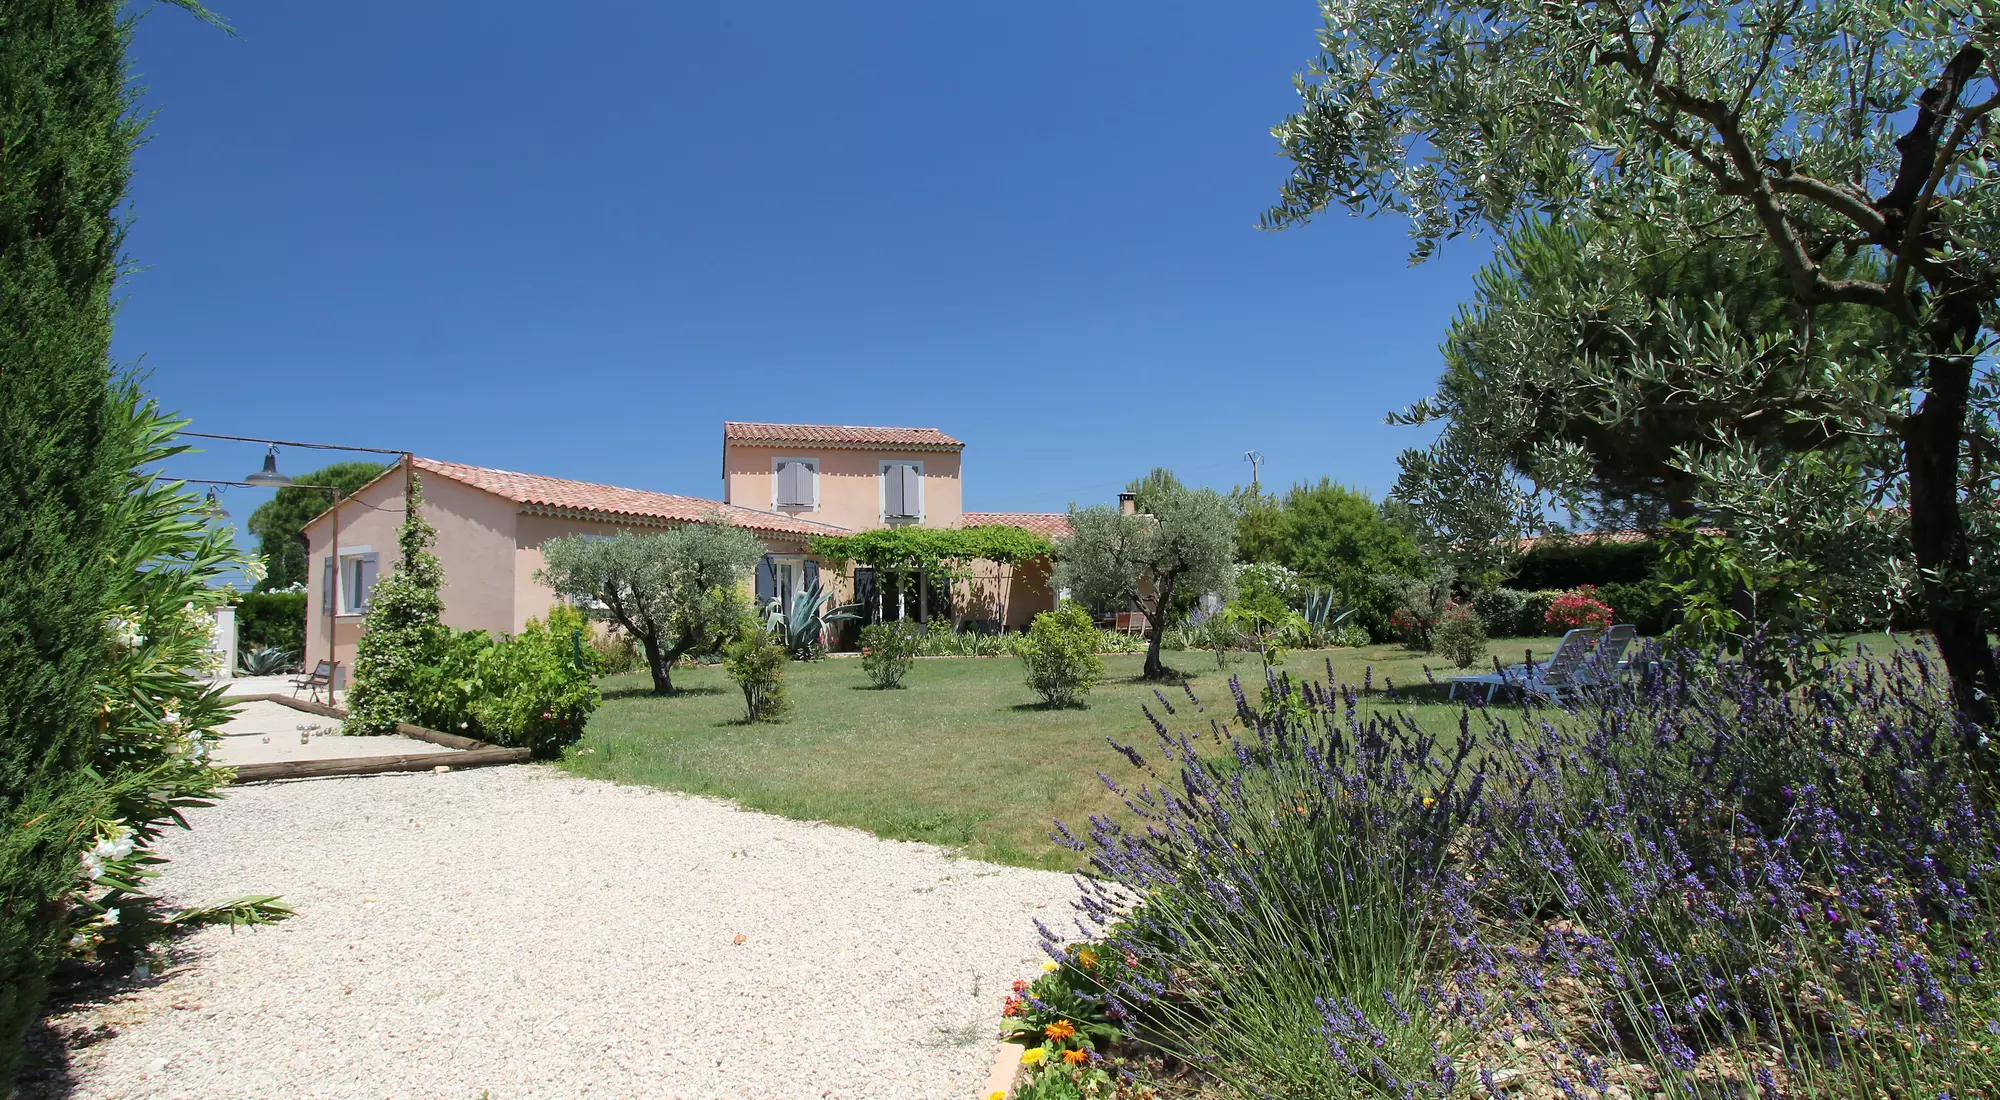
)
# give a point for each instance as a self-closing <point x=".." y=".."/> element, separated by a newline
<point x="1775" y="879"/>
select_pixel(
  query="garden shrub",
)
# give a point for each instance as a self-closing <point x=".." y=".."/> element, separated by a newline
<point x="1419" y="604"/>
<point x="1578" y="608"/>
<point x="757" y="664"/>
<point x="1717" y="884"/>
<point x="1460" y="637"/>
<point x="1535" y="613"/>
<point x="1059" y="652"/>
<point x="617" y="651"/>
<point x="1117" y="641"/>
<point x="887" y="652"/>
<point x="87" y="853"/>
<point x="1501" y="610"/>
<point x="537" y="688"/>
<point x="1564" y="565"/>
<point x="447" y="688"/>
<point x="275" y="619"/>
<point x="1648" y="605"/>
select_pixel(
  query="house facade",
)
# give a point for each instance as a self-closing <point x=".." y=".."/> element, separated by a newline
<point x="491" y="525"/>
<point x="785" y="483"/>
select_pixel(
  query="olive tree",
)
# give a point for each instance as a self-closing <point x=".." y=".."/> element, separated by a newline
<point x="677" y="591"/>
<point x="1187" y="543"/>
<point x="1819" y="130"/>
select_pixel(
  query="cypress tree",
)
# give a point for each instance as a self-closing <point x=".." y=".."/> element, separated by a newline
<point x="66" y="139"/>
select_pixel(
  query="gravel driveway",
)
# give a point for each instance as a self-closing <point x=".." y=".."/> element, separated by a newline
<point x="516" y="932"/>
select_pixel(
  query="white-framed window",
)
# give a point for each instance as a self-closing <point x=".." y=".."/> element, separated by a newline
<point x="902" y="490"/>
<point x="794" y="483"/>
<point x="360" y="566"/>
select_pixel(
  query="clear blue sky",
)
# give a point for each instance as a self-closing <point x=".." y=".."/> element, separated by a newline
<point x="574" y="239"/>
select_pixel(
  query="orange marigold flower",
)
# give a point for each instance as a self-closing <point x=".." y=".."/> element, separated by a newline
<point x="1086" y="958"/>
<point x="1061" y="1029"/>
<point x="1074" y="1057"/>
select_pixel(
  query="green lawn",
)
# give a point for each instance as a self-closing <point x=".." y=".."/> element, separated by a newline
<point x="962" y="755"/>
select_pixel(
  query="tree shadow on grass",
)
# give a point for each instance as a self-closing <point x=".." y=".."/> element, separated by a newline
<point x="1049" y="707"/>
<point x="646" y="692"/>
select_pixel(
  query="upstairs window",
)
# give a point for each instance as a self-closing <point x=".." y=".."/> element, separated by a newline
<point x="902" y="490"/>
<point x="795" y="483"/>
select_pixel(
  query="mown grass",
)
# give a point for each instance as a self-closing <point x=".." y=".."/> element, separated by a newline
<point x="962" y="755"/>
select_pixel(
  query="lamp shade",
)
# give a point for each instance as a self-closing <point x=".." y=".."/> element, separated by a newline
<point x="212" y="507"/>
<point x="269" y="475"/>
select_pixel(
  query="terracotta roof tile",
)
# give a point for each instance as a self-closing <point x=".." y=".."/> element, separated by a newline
<point x="1049" y="525"/>
<point x="840" y="435"/>
<point x="609" y="502"/>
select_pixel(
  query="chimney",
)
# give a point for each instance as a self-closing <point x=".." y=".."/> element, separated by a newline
<point x="1128" y="503"/>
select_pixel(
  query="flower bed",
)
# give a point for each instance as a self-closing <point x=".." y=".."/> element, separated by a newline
<point x="1717" y="886"/>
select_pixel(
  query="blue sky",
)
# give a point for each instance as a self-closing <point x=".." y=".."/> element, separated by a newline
<point x="574" y="239"/>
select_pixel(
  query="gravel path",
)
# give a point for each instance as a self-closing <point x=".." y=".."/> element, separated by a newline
<point x="516" y="932"/>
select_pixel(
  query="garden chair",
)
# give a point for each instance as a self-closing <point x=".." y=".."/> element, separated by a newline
<point x="321" y="678"/>
<point x="1562" y="668"/>
<point x="1608" y="663"/>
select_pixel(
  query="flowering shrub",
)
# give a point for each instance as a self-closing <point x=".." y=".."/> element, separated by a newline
<point x="887" y="652"/>
<point x="1717" y="884"/>
<point x="1579" y="607"/>
<point x="155" y="720"/>
<point x="1059" y="652"/>
<point x="1460" y="637"/>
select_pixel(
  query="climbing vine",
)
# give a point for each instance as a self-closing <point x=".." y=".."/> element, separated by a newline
<point x="938" y="551"/>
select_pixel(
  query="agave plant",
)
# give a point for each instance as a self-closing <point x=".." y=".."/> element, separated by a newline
<point x="801" y="626"/>
<point x="266" y="660"/>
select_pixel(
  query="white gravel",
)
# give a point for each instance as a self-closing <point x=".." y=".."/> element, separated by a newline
<point x="516" y="932"/>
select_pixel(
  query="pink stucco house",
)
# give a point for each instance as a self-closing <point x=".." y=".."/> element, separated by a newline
<point x="783" y="482"/>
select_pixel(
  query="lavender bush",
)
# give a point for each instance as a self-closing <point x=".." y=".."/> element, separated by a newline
<point x="1720" y="882"/>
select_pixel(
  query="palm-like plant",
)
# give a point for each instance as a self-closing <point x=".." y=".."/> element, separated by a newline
<point x="265" y="660"/>
<point x="801" y="626"/>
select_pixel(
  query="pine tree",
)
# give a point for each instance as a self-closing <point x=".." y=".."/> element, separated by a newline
<point x="401" y="635"/>
<point x="69" y="140"/>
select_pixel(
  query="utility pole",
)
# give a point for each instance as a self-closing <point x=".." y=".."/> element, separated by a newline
<point x="1256" y="459"/>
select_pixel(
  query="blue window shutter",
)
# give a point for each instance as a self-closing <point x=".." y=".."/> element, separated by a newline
<point x="767" y="580"/>
<point x="812" y="573"/>
<point x="326" y="586"/>
<point x="892" y="490"/>
<point x="913" y="504"/>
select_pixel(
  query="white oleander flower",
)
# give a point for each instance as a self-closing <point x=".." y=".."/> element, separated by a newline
<point x="125" y="631"/>
<point x="110" y="917"/>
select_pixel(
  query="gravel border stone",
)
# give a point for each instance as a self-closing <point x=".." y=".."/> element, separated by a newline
<point x="518" y="932"/>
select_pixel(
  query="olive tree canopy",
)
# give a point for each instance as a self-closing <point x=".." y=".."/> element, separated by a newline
<point x="1819" y="130"/>
<point x="1187" y="543"/>
<point x="677" y="591"/>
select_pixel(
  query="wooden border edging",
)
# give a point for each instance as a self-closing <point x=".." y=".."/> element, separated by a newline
<point x="467" y="752"/>
<point x="372" y="765"/>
